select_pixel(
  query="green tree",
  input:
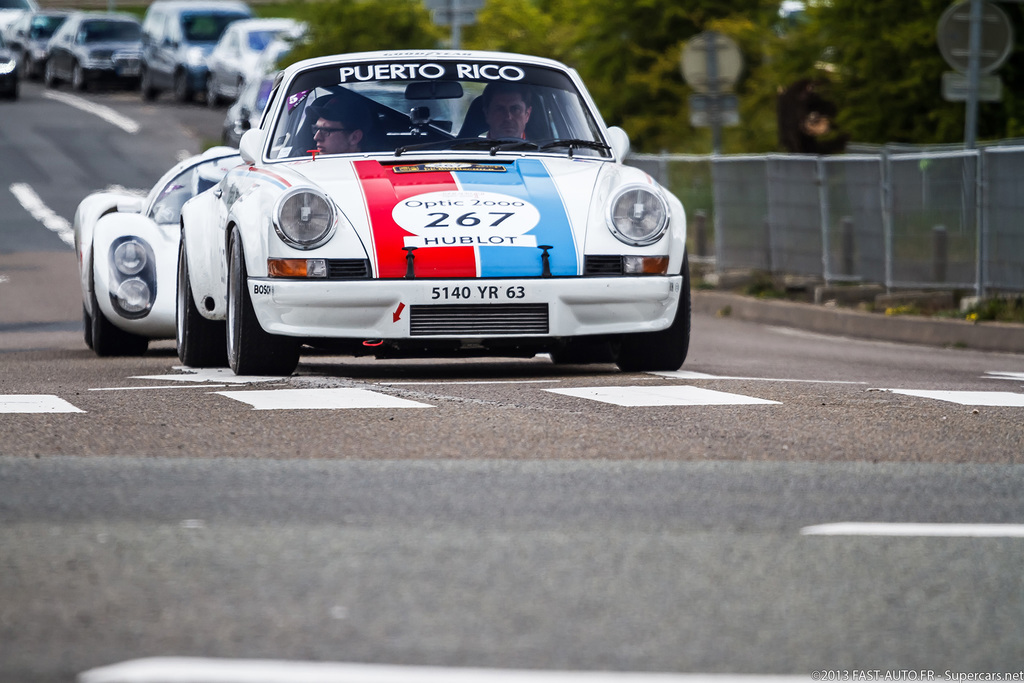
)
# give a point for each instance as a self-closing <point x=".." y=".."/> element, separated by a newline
<point x="338" y="26"/>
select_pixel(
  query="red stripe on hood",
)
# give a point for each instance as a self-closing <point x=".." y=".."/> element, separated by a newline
<point x="383" y="189"/>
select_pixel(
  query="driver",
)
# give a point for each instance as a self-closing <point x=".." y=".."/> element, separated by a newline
<point x="507" y="107"/>
<point x="338" y="127"/>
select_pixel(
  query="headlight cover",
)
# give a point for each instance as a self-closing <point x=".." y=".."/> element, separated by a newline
<point x="304" y="218"/>
<point x="638" y="215"/>
<point x="132" y="273"/>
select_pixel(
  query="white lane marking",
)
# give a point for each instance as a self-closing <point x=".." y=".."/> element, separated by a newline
<point x="106" y="113"/>
<point x="687" y="374"/>
<point x="661" y="396"/>
<point x="1005" y="399"/>
<point x="35" y="403"/>
<point x="208" y="375"/>
<point x="4" y="279"/>
<point x="909" y="529"/>
<point x="165" y="386"/>
<point x="191" y="669"/>
<point x="319" y="399"/>
<point x="27" y="197"/>
<point x="1019" y="376"/>
<point x="504" y="381"/>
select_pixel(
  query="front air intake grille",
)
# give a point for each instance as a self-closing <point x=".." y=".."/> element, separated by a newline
<point x="347" y="268"/>
<point x="602" y="265"/>
<point x="478" y="319"/>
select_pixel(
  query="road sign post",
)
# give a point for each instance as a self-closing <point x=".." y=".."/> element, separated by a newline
<point x="711" y="65"/>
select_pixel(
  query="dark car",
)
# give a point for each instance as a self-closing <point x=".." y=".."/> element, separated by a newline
<point x="92" y="47"/>
<point x="28" y="37"/>
<point x="8" y="72"/>
<point x="178" y="35"/>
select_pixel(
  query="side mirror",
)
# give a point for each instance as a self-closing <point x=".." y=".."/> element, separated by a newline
<point x="619" y="140"/>
<point x="250" y="145"/>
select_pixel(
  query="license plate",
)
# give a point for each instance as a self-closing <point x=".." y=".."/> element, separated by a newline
<point x="478" y="292"/>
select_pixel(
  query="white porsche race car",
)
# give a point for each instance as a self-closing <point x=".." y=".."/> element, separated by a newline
<point x="128" y="255"/>
<point x="433" y="203"/>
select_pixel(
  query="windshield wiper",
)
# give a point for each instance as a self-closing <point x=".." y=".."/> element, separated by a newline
<point x="576" y="143"/>
<point x="493" y="146"/>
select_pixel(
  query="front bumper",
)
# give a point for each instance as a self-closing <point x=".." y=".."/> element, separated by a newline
<point x="465" y="309"/>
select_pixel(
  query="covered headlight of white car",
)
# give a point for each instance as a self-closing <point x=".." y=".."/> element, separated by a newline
<point x="132" y="277"/>
<point x="638" y="215"/>
<point x="304" y="218"/>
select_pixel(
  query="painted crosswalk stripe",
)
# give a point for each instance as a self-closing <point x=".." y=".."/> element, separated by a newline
<point x="690" y="374"/>
<point x="915" y="529"/>
<point x="35" y="403"/>
<point x="1018" y="376"/>
<point x="1004" y="399"/>
<point x="661" y="396"/>
<point x="319" y="399"/>
<point x="190" y="669"/>
<point x="224" y="375"/>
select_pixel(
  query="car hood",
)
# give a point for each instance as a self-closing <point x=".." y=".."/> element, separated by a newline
<point x="465" y="219"/>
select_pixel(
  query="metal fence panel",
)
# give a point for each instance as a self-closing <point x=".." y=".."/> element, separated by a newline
<point x="934" y="219"/>
<point x="854" y="220"/>
<point x="794" y="215"/>
<point x="1003" y="244"/>
<point x="741" y="213"/>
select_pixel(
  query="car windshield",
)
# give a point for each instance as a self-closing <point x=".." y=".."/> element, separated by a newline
<point x="44" y="26"/>
<point x="206" y="27"/>
<point x="406" y="106"/>
<point x="106" y="30"/>
<point x="260" y="39"/>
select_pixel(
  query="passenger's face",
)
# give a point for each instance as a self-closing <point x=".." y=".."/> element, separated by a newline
<point x="332" y="137"/>
<point x="507" y="115"/>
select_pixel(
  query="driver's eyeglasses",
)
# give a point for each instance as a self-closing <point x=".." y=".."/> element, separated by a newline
<point x="512" y="110"/>
<point x="327" y="130"/>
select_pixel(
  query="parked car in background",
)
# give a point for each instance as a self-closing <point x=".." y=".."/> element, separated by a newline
<point x="235" y="59"/>
<point x="178" y="35"/>
<point x="28" y="37"/>
<point x="246" y="111"/>
<point x="93" y="47"/>
<point x="128" y="255"/>
<point x="10" y="10"/>
<point x="8" y="72"/>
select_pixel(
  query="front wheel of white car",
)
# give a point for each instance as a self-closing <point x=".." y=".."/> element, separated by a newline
<point x="251" y="350"/>
<point x="664" y="350"/>
<point x="110" y="340"/>
<point x="200" y="341"/>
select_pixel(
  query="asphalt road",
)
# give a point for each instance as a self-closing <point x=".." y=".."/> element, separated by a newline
<point x="506" y="513"/>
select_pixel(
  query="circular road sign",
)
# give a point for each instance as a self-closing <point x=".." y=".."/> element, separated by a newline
<point x="954" y="33"/>
<point x="728" y="60"/>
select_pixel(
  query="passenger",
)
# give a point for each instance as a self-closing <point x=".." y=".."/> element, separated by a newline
<point x="507" y="108"/>
<point x="338" y="127"/>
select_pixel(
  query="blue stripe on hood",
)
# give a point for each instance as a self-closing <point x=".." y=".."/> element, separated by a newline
<point x="527" y="179"/>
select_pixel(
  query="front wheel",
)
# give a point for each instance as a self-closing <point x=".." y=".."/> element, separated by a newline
<point x="182" y="91"/>
<point x="107" y="338"/>
<point x="50" y="74"/>
<point x="200" y="341"/>
<point x="666" y="349"/>
<point x="251" y="350"/>
<point x="79" y="82"/>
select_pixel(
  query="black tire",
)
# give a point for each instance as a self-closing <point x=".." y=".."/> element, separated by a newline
<point x="664" y="350"/>
<point x="110" y="340"/>
<point x="213" y="100"/>
<point x="251" y="351"/>
<point x="182" y="92"/>
<point x="201" y="342"/>
<point x="50" y="79"/>
<point x="149" y="93"/>
<point x="86" y="327"/>
<point x="79" y="82"/>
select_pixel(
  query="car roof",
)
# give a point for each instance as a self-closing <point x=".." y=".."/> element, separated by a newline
<point x="211" y="5"/>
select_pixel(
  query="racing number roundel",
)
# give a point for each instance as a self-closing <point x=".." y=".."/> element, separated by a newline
<point x="461" y="218"/>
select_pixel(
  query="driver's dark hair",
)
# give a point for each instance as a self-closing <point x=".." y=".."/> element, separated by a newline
<point x="503" y="87"/>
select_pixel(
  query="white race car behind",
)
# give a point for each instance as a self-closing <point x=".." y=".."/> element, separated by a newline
<point x="128" y="255"/>
<point x="439" y="232"/>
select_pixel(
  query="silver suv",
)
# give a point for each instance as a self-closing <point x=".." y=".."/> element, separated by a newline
<point x="177" y="36"/>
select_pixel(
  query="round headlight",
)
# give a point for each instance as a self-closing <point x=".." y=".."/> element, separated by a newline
<point x="130" y="257"/>
<point x="133" y="296"/>
<point x="638" y="215"/>
<point x="305" y="218"/>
